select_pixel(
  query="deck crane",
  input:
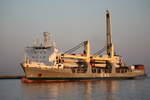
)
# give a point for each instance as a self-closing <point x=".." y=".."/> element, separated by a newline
<point x="110" y="59"/>
<point x="109" y="48"/>
<point x="75" y="59"/>
<point x="104" y="61"/>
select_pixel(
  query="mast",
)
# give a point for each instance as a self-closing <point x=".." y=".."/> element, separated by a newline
<point x="87" y="48"/>
<point x="110" y="47"/>
<point x="47" y="39"/>
<point x="87" y="53"/>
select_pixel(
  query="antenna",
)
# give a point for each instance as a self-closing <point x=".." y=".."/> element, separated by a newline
<point x="36" y="43"/>
<point x="47" y="39"/>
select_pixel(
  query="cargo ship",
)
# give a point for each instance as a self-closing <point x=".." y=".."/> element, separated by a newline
<point x="45" y="63"/>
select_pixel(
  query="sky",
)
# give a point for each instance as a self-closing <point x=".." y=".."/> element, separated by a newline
<point x="71" y="22"/>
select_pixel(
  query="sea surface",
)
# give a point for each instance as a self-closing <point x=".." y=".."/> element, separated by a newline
<point x="134" y="89"/>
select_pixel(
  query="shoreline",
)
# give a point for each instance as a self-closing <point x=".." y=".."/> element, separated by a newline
<point x="11" y="77"/>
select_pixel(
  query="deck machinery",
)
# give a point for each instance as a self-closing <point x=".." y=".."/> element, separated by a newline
<point x="108" y="63"/>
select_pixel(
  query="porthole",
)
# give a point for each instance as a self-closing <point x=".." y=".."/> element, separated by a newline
<point x="39" y="75"/>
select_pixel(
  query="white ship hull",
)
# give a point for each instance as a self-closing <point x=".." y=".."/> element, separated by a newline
<point x="33" y="73"/>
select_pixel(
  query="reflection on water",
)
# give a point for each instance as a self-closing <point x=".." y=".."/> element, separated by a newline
<point x="111" y="87"/>
<point x="94" y="90"/>
<point x="88" y="91"/>
<point x="72" y="90"/>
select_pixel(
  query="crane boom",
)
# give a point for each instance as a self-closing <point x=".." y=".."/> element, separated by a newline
<point x="110" y="47"/>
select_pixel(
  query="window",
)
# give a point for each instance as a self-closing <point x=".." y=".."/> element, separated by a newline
<point x="40" y="52"/>
<point x="44" y="52"/>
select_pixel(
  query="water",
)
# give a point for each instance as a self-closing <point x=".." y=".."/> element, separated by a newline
<point x="14" y="89"/>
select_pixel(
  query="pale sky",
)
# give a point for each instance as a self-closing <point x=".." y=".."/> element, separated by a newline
<point x="71" y="22"/>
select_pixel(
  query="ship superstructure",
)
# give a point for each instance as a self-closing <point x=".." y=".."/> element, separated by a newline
<point x="44" y="62"/>
<point x="42" y="55"/>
